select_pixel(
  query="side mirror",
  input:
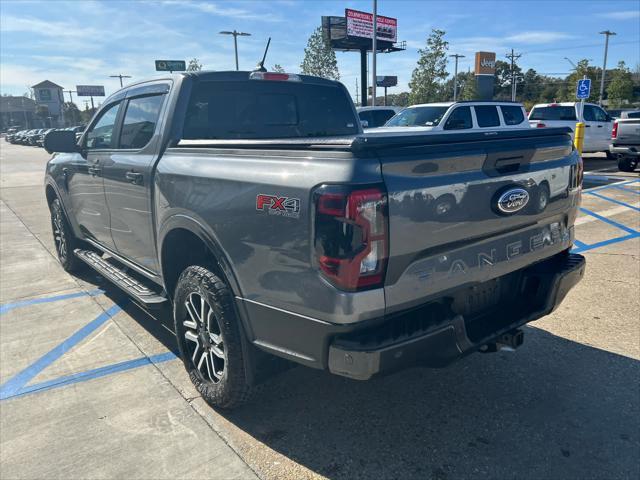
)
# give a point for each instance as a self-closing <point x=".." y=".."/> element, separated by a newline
<point x="364" y="123"/>
<point x="62" y="141"/>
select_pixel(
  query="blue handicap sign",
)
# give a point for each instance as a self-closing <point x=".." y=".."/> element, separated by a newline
<point x="583" y="90"/>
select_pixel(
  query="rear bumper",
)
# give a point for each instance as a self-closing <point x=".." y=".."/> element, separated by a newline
<point x="434" y="334"/>
<point x="625" y="150"/>
<point x="361" y="355"/>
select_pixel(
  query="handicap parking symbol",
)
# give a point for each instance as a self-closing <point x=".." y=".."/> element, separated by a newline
<point x="583" y="90"/>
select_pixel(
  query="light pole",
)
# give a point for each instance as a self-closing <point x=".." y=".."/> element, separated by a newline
<point x="455" y="77"/>
<point x="120" y="76"/>
<point x="374" y="48"/>
<point x="235" y="41"/>
<point x="607" y="34"/>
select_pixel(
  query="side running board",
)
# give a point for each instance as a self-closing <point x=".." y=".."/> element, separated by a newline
<point x="133" y="287"/>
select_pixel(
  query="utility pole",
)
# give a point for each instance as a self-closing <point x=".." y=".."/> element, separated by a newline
<point x="120" y="76"/>
<point x="513" y="57"/>
<point x="70" y="92"/>
<point x="235" y="41"/>
<point x="357" y="91"/>
<point x="374" y="82"/>
<point x="607" y="34"/>
<point x="455" y="77"/>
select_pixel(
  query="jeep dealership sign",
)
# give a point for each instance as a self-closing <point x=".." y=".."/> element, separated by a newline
<point x="360" y="24"/>
<point x="485" y="63"/>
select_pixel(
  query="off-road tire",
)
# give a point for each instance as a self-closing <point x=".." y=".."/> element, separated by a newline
<point x="233" y="388"/>
<point x="627" y="164"/>
<point x="63" y="238"/>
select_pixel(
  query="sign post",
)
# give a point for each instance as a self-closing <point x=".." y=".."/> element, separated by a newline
<point x="90" y="91"/>
<point x="583" y="90"/>
<point x="386" y="81"/>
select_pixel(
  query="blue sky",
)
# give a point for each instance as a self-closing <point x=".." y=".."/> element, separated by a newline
<point x="83" y="42"/>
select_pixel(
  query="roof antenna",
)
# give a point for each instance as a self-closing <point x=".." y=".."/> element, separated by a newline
<point x="260" y="66"/>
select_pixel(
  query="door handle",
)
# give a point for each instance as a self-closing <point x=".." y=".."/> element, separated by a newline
<point x="94" y="171"/>
<point x="134" y="177"/>
<point x="587" y="126"/>
<point x="599" y="126"/>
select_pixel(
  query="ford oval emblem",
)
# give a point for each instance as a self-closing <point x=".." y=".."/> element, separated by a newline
<point x="513" y="200"/>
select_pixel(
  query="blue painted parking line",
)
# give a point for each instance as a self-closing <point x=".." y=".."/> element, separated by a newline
<point x="620" y="187"/>
<point x="15" y="384"/>
<point x="34" y="301"/>
<point x="609" y="221"/>
<point x="612" y="200"/>
<point x="93" y="374"/>
<point x="579" y="244"/>
<point x="612" y="185"/>
<point x="604" y="243"/>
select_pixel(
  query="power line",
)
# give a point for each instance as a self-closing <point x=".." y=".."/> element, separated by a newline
<point x="574" y="47"/>
<point x="513" y="57"/>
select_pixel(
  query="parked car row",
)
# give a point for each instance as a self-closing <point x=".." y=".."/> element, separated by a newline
<point x="35" y="137"/>
<point x="601" y="127"/>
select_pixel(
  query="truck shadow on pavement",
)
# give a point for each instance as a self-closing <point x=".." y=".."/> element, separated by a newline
<point x="556" y="409"/>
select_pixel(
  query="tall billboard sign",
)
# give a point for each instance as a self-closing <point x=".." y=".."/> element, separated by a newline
<point x="90" y="90"/>
<point x="360" y="24"/>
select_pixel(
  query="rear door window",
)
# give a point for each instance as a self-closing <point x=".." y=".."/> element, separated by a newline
<point x="459" y="119"/>
<point x="553" y="113"/>
<point x="256" y="109"/>
<point x="367" y="116"/>
<point x="512" y="114"/>
<point x="140" y="121"/>
<point x="487" y="116"/>
<point x="381" y="116"/>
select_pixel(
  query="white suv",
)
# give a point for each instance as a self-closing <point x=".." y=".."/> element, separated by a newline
<point x="598" y="123"/>
<point x="456" y="116"/>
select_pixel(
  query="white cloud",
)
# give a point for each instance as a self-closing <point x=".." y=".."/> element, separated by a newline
<point x="622" y="15"/>
<point x="215" y="9"/>
<point x="10" y="23"/>
<point x="537" y="37"/>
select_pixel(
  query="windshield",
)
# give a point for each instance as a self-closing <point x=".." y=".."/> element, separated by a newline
<point x="418" y="117"/>
<point x="553" y="113"/>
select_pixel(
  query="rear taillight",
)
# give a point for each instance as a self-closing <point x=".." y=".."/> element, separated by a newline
<point x="614" y="132"/>
<point x="274" y="76"/>
<point x="540" y="125"/>
<point x="351" y="236"/>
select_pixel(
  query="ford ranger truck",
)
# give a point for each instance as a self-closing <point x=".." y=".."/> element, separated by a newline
<point x="253" y="206"/>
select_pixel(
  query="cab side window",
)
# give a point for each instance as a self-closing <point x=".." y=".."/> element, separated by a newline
<point x="140" y="121"/>
<point x="589" y="113"/>
<point x="487" y="116"/>
<point x="459" y="119"/>
<point x="600" y="115"/>
<point x="100" y="135"/>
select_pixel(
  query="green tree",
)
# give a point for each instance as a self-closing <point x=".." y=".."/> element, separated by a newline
<point x="532" y="85"/>
<point x="568" y="93"/>
<point x="277" y="68"/>
<point x="72" y="114"/>
<point x="194" y="65"/>
<point x="319" y="58"/>
<point x="620" y="89"/>
<point x="467" y="86"/>
<point x="431" y="70"/>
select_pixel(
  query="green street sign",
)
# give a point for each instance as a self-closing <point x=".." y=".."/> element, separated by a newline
<point x="171" y="65"/>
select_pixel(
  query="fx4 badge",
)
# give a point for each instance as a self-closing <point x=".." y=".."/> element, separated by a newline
<point x="275" y="205"/>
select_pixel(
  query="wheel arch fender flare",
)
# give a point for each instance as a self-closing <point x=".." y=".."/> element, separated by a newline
<point x="207" y="236"/>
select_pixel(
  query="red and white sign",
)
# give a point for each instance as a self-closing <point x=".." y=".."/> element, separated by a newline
<point x="360" y="24"/>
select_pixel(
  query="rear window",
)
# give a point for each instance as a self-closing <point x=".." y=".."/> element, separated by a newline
<point x="512" y="114"/>
<point x="633" y="115"/>
<point x="487" y="116"/>
<point x="418" y="117"/>
<point x="553" y="113"/>
<point x="265" y="109"/>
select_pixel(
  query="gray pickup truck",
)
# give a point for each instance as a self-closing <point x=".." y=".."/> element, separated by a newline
<point x="254" y="206"/>
<point x="625" y="141"/>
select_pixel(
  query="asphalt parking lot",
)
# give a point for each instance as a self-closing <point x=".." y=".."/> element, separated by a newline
<point x="90" y="386"/>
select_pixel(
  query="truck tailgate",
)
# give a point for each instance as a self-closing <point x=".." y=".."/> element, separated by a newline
<point x="467" y="208"/>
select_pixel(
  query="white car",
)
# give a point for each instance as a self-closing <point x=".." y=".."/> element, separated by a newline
<point x="454" y="116"/>
<point x="598" y="123"/>
<point x="373" y="117"/>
